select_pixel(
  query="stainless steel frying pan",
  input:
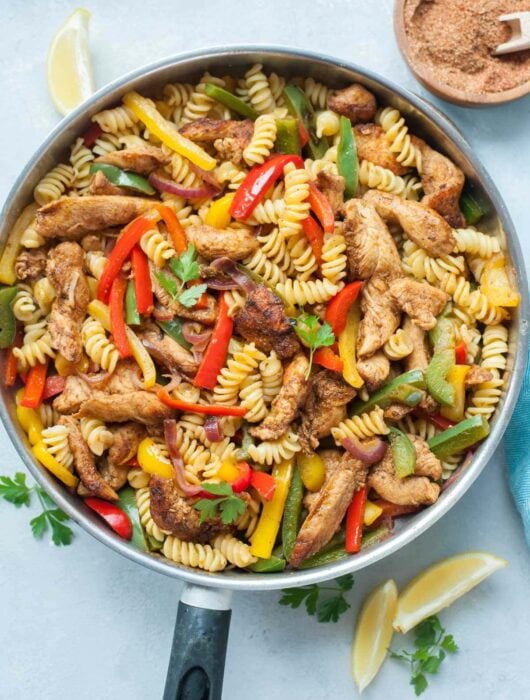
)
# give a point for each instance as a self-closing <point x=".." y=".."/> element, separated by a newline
<point x="199" y="645"/>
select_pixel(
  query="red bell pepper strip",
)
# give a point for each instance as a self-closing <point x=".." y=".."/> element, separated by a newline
<point x="264" y="483"/>
<point x="210" y="410"/>
<point x="10" y="361"/>
<point x="338" y="307"/>
<point x="241" y="483"/>
<point x="257" y="182"/>
<point x="54" y="385"/>
<point x="142" y="281"/>
<point x="304" y="135"/>
<point x="214" y="358"/>
<point x="114" y="516"/>
<point x="202" y="301"/>
<point x="117" y="316"/>
<point x="461" y="353"/>
<point x="321" y="208"/>
<point x="325" y="357"/>
<point x="133" y="462"/>
<point x="92" y="134"/>
<point x="129" y="237"/>
<point x="174" y="228"/>
<point x="393" y="510"/>
<point x="435" y="418"/>
<point x="315" y="236"/>
<point x="34" y="388"/>
<point x="354" y="521"/>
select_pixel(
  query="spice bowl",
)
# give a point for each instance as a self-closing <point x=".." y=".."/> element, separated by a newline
<point x="440" y="88"/>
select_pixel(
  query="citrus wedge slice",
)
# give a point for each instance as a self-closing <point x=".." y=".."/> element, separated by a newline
<point x="373" y="633"/>
<point x="441" y="584"/>
<point x="69" y="69"/>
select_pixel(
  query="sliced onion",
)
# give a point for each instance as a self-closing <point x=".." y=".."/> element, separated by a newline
<point x="170" y="433"/>
<point x="195" y="335"/>
<point x="161" y="313"/>
<point x="96" y="380"/>
<point x="206" y="175"/>
<point x="165" y="185"/>
<point x="228" y="268"/>
<point x="368" y="452"/>
<point x="213" y="429"/>
<point x="175" y="380"/>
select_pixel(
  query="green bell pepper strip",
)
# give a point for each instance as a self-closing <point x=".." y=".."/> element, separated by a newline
<point x="272" y="565"/>
<point x="471" y="208"/>
<point x="230" y="100"/>
<point x="459" y="437"/>
<point x="8" y="323"/>
<point x="287" y="136"/>
<point x="291" y="514"/>
<point x="375" y="536"/>
<point x="347" y="162"/>
<point x="123" y="178"/>
<point x="407" y="389"/>
<point x="443" y="339"/>
<point x="299" y="107"/>
<point x="173" y="328"/>
<point x="403" y="453"/>
<point x="333" y="551"/>
<point x="127" y="502"/>
<point x="132" y="317"/>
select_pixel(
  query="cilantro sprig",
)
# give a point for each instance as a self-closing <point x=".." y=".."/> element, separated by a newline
<point x="228" y="505"/>
<point x="314" y="335"/>
<point x="186" y="269"/>
<point x="17" y="492"/>
<point x="328" y="607"/>
<point x="432" y="646"/>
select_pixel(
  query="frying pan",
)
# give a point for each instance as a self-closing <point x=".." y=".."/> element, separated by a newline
<point x="199" y="645"/>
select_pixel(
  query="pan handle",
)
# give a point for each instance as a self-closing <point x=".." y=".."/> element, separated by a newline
<point x="197" y="660"/>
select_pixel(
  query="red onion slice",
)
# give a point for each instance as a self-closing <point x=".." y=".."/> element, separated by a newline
<point x="196" y="336"/>
<point x="368" y="452"/>
<point x="228" y="267"/>
<point x="95" y="380"/>
<point x="174" y="188"/>
<point x="213" y="429"/>
<point x="207" y="175"/>
<point x="170" y="433"/>
<point x="162" y="314"/>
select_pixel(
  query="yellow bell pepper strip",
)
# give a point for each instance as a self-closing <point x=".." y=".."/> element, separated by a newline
<point x="45" y="457"/>
<point x="459" y="437"/>
<point x="371" y="512"/>
<point x="64" y="367"/>
<point x="495" y="283"/>
<point x="12" y="246"/>
<point x="149" y="459"/>
<point x="166" y="131"/>
<point x="269" y="523"/>
<point x="218" y="215"/>
<point x="347" y="345"/>
<point x="312" y="470"/>
<point x="29" y="419"/>
<point x="456" y="378"/>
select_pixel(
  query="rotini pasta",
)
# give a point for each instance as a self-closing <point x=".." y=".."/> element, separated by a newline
<point x="96" y="435"/>
<point x="300" y="293"/>
<point x="262" y="141"/>
<point x="398" y="346"/>
<point x="97" y="346"/>
<point x="468" y="240"/>
<point x="241" y="365"/>
<point x="364" y="426"/>
<point x="259" y="90"/>
<point x="396" y="130"/>
<point x="143" y="503"/>
<point x="334" y="259"/>
<point x="274" y="451"/>
<point x="157" y="247"/>
<point x="296" y="204"/>
<point x="54" y="184"/>
<point x="56" y="440"/>
<point x="198" y="556"/>
<point x="271" y="370"/>
<point x="234" y="551"/>
<point x="116" y="121"/>
<point x="317" y="94"/>
<point x="327" y="123"/>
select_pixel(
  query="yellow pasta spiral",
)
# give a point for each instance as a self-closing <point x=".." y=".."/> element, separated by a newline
<point x="468" y="240"/>
<point x="398" y="346"/>
<point x="56" y="440"/>
<point x="80" y="159"/>
<point x="108" y="143"/>
<point x="198" y="556"/>
<point x="262" y="141"/>
<point x="252" y="398"/>
<point x="419" y="264"/>
<point x="198" y="105"/>
<point x="334" y="259"/>
<point x="393" y="124"/>
<point x="36" y="347"/>
<point x="230" y="173"/>
<point x="265" y="268"/>
<point x="300" y="293"/>
<point x="180" y="169"/>
<point x="317" y="93"/>
<point x="274" y="451"/>
<point x="54" y="184"/>
<point x="486" y="396"/>
<point x="117" y="120"/>
<point x="238" y="367"/>
<point x="25" y="307"/>
<point x="31" y="239"/>
<point x="302" y="256"/>
<point x="44" y="294"/>
<point x="98" y="347"/>
<point x="143" y="503"/>
<point x="233" y="550"/>
<point x="494" y="347"/>
<point x="157" y="247"/>
<point x="96" y="263"/>
<point x="364" y="426"/>
<point x="376" y="177"/>
<point x="274" y="247"/>
<point x="296" y="204"/>
<point x="259" y="90"/>
<point x="271" y="370"/>
<point x="137" y="478"/>
<point x="96" y="435"/>
<point x="327" y="123"/>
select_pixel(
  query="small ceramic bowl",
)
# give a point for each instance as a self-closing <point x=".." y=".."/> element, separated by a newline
<point x="464" y="98"/>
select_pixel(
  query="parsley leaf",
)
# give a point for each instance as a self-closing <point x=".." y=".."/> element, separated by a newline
<point x="228" y="506"/>
<point x="327" y="608"/>
<point x="314" y="335"/>
<point x="168" y="283"/>
<point x="431" y="643"/>
<point x="16" y="491"/>
<point x="191" y="295"/>
<point x="185" y="267"/>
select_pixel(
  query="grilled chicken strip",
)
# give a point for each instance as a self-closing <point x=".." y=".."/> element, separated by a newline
<point x="419" y="358"/>
<point x="84" y="462"/>
<point x="421" y="301"/>
<point x="263" y="321"/>
<point x="101" y="185"/>
<point x="477" y="375"/>
<point x="427" y="464"/>
<point x="374" y="146"/>
<point x="372" y="256"/>
<point x="166" y="350"/>
<point x="374" y="370"/>
<point x="140" y="159"/>
<point x="229" y="137"/>
<point x="207" y="316"/>
<point x="330" y="507"/>
<point x="355" y="102"/>
<point x="211" y="243"/>
<point x="140" y="406"/>
<point x="332" y="187"/>
<point x="442" y="182"/>
<point x="65" y="271"/>
<point x="421" y="224"/>
<point x="324" y="408"/>
<point x="127" y="437"/>
<point x="72" y="217"/>
<point x="285" y="406"/>
<point x="30" y="264"/>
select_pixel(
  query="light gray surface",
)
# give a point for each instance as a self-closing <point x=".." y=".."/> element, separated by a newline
<point x="83" y="622"/>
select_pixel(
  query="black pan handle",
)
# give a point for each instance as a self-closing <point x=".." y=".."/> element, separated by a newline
<point x="197" y="660"/>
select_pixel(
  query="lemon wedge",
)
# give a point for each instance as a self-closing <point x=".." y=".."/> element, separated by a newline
<point x="441" y="584"/>
<point x="69" y="69"/>
<point x="374" y="633"/>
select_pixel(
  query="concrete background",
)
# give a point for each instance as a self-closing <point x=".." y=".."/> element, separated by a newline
<point x="82" y="622"/>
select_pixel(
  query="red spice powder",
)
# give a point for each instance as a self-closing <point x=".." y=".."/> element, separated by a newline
<point x="454" y="40"/>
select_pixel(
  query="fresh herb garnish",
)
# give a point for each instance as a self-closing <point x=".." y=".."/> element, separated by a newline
<point x="228" y="505"/>
<point x="186" y="269"/>
<point x="314" y="335"/>
<point x="328" y="608"/>
<point x="16" y="491"/>
<point x="431" y="644"/>
<point x="190" y="296"/>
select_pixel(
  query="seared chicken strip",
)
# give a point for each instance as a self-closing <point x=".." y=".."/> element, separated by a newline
<point x="421" y="301"/>
<point x="332" y="187"/>
<point x="166" y="350"/>
<point x="285" y="406"/>
<point x="374" y="370"/>
<point x="229" y="137"/>
<point x="72" y="217"/>
<point x="127" y="437"/>
<point x="427" y="464"/>
<point x="101" y="185"/>
<point x="421" y="224"/>
<point x="355" y="102"/>
<point x="140" y="406"/>
<point x="211" y="243"/>
<point x="65" y="271"/>
<point x="476" y="375"/>
<point x="30" y="264"/>
<point x="207" y="316"/>
<point x="419" y="358"/>
<point x="374" y="146"/>
<point x="140" y="159"/>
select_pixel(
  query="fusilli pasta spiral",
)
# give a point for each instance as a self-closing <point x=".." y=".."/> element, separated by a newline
<point x="97" y="346"/>
<point x="195" y="555"/>
<point x="233" y="550"/>
<point x="262" y="141"/>
<point x="274" y="451"/>
<point x="364" y="426"/>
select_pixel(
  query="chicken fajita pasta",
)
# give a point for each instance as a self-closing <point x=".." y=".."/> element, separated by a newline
<point x="255" y="317"/>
